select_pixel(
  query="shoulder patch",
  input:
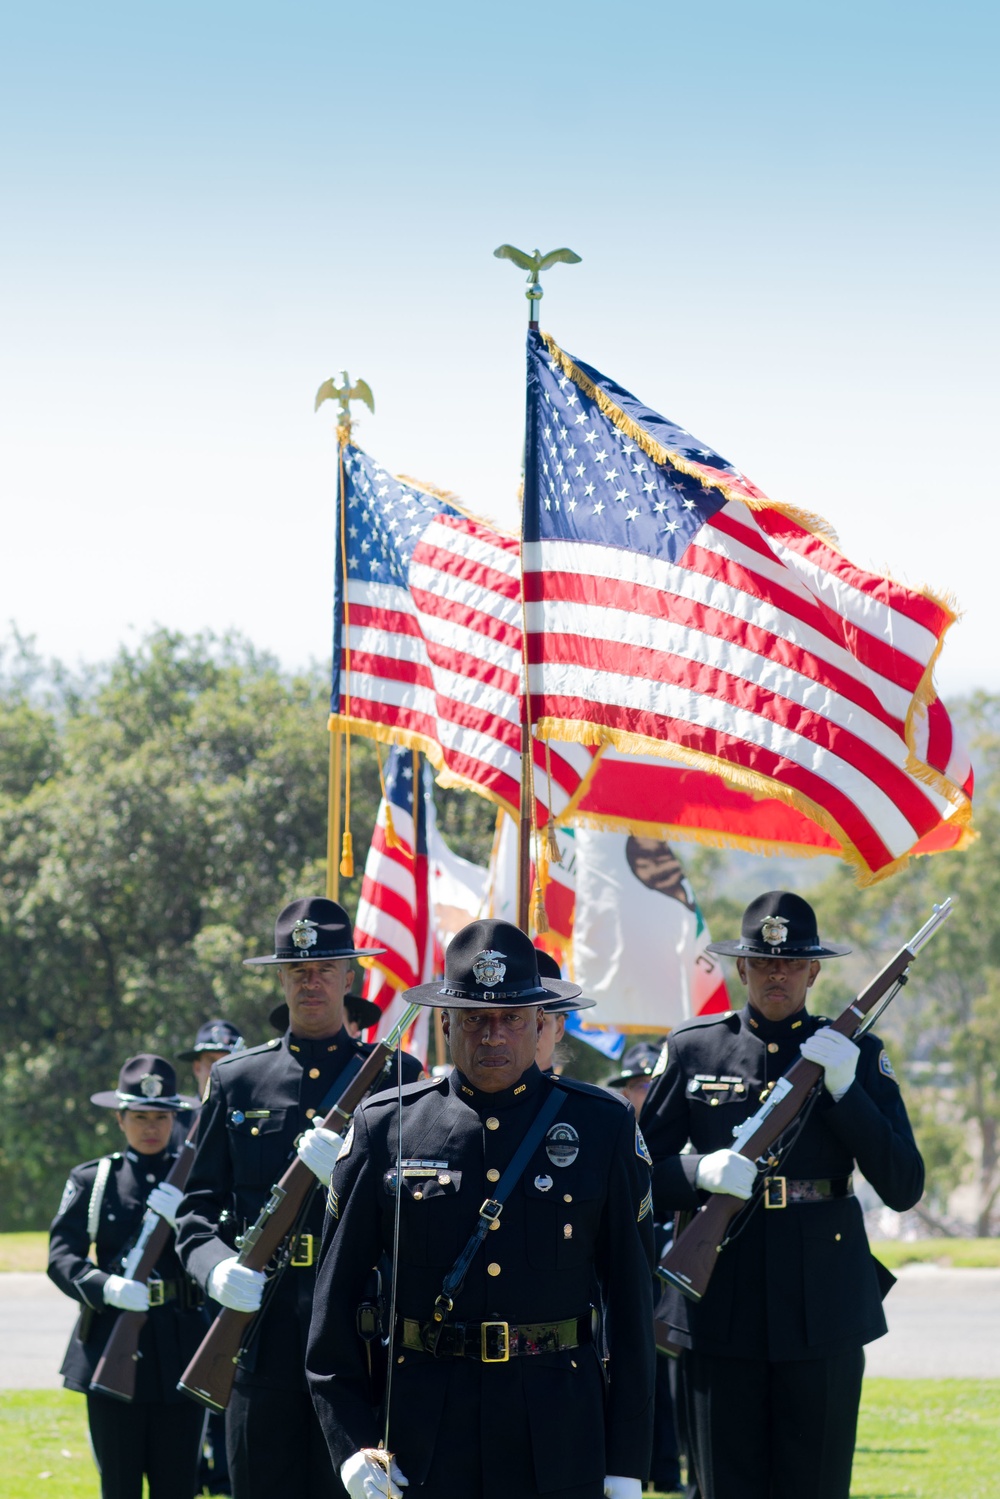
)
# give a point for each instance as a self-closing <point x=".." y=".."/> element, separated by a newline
<point x="68" y="1194"/>
<point x="885" y="1066"/>
<point x="641" y="1148"/>
<point x="345" y="1149"/>
<point x="661" y="1061"/>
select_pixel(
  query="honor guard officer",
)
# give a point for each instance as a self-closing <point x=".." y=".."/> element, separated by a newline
<point x="215" y="1039"/>
<point x="159" y="1433"/>
<point x="772" y="1378"/>
<point x="554" y="1021"/>
<point x="519" y="1195"/>
<point x="264" y="1105"/>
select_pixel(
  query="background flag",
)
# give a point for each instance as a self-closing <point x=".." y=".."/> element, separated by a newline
<point x="673" y="611"/>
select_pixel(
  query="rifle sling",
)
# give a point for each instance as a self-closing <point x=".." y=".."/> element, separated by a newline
<point x="490" y="1210"/>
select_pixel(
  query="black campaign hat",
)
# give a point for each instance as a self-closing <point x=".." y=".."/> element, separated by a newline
<point x="312" y="930"/>
<point x="548" y="968"/>
<point x="779" y="925"/>
<point x="214" y="1035"/>
<point x="639" y="1061"/>
<point x="362" y="1011"/>
<point x="145" y="1082"/>
<point x="490" y="964"/>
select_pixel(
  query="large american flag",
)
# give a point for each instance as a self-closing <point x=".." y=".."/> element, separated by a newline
<point x="673" y="611"/>
<point x="427" y="636"/>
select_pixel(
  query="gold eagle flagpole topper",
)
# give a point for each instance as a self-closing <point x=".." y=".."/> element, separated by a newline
<point x="534" y="264"/>
<point x="344" y="391"/>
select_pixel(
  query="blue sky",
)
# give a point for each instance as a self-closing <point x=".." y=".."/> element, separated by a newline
<point x="787" y="216"/>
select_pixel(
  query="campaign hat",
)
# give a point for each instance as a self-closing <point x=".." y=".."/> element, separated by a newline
<point x="490" y="965"/>
<point x="639" y="1061"/>
<point x="362" y="1011"/>
<point x="145" y="1082"/>
<point x="548" y="968"/>
<point x="779" y="924"/>
<point x="214" y="1035"/>
<point x="313" y="930"/>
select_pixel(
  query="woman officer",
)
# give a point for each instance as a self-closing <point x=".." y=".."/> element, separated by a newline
<point x="159" y="1433"/>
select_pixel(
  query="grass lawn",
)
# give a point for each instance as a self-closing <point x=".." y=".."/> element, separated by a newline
<point x="918" y="1439"/>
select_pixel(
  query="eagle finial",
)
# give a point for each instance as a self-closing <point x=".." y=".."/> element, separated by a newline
<point x="534" y="264"/>
<point x="344" y="391"/>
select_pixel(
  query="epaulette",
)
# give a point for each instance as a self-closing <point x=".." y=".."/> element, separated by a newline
<point x="112" y="1155"/>
<point x="574" y="1085"/>
<point x="699" y="1022"/>
<point x="249" y="1051"/>
<point x="408" y="1090"/>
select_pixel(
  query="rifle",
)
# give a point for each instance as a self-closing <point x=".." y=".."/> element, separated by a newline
<point x="116" y="1368"/>
<point x="209" y="1376"/>
<point x="689" y="1262"/>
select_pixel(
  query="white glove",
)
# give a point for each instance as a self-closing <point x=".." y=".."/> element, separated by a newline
<point x="726" y="1171"/>
<point x="837" y="1055"/>
<point x="622" y="1488"/>
<point x="319" y="1148"/>
<point x="126" y="1295"/>
<point x="165" y="1200"/>
<point x="364" y="1477"/>
<point x="236" y="1286"/>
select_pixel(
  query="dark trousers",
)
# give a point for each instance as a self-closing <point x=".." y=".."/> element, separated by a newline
<point x="275" y="1446"/>
<point x="773" y="1431"/>
<point x="161" y="1440"/>
<point x="664" y="1469"/>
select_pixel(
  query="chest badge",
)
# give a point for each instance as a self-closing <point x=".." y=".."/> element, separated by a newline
<point x="544" y="1183"/>
<point x="562" y="1144"/>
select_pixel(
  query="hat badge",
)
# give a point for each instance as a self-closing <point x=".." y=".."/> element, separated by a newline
<point x="774" y="930"/>
<point x="304" y="934"/>
<point x="151" y="1086"/>
<point x="489" y="968"/>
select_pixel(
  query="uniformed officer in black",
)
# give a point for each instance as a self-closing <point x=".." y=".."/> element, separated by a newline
<point x="159" y="1433"/>
<point x="262" y="1108"/>
<point x="554" y="1016"/>
<point x="773" y="1376"/>
<point x="215" y="1039"/>
<point x="512" y="1398"/>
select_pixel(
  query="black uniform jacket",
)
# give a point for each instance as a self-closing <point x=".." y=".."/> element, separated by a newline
<point x="259" y="1102"/>
<point x="174" y="1330"/>
<point x="798" y="1282"/>
<point x="578" y="1221"/>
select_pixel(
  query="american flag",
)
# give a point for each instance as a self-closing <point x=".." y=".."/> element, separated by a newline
<point x="393" y="911"/>
<point x="673" y="611"/>
<point x="428" y="639"/>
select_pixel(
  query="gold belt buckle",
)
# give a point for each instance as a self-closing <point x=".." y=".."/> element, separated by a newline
<point x="504" y="1333"/>
<point x="302" y="1251"/>
<point x="770" y="1183"/>
<point x="157" y="1292"/>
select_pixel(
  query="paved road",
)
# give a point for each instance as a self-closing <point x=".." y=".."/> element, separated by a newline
<point x="943" y="1325"/>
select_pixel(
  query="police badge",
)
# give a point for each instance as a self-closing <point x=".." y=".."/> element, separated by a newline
<point x="489" y="968"/>
<point x="774" y="930"/>
<point x="304" y="934"/>
<point x="562" y="1144"/>
<point x="151" y="1086"/>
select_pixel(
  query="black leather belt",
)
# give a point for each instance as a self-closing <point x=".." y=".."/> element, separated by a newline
<point x="782" y="1191"/>
<point x="185" y="1291"/>
<point x="494" y="1342"/>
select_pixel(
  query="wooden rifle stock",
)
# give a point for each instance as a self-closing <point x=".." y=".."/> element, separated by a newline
<point x="689" y="1262"/>
<point x="117" y="1366"/>
<point x="209" y="1376"/>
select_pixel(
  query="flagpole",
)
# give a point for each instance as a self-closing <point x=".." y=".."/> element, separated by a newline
<point x="339" y="853"/>
<point x="534" y="264"/>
